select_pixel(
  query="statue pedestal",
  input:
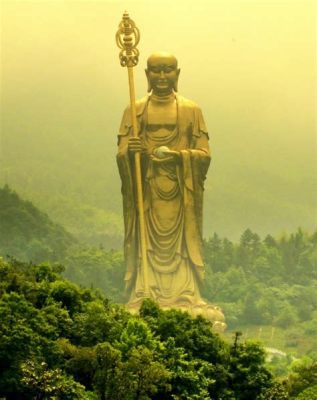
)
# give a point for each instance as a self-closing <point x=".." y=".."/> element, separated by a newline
<point x="211" y="312"/>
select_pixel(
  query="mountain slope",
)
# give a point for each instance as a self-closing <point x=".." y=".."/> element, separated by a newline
<point x="27" y="233"/>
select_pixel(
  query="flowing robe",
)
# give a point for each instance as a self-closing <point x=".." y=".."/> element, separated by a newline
<point x="173" y="200"/>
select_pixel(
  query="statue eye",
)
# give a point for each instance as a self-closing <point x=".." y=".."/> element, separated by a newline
<point x="166" y="70"/>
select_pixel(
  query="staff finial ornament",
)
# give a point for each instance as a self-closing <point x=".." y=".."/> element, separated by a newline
<point x="127" y="38"/>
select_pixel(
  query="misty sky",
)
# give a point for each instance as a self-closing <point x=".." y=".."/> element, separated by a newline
<point x="250" y="65"/>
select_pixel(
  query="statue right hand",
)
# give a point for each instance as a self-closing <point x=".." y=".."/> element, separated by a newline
<point x="134" y="145"/>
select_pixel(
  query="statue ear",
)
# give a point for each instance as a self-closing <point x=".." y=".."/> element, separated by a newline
<point x="149" y="86"/>
<point x="175" y="87"/>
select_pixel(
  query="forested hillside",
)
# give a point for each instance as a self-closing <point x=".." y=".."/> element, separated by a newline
<point x="60" y="341"/>
<point x="27" y="233"/>
<point x="267" y="287"/>
<point x="260" y="282"/>
<point x="270" y="281"/>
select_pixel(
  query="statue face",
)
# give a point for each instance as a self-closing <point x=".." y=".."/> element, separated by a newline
<point x="162" y="73"/>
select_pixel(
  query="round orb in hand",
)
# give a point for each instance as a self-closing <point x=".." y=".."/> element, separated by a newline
<point x="161" y="151"/>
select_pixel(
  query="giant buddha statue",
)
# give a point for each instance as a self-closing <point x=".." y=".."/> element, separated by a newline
<point x="175" y="156"/>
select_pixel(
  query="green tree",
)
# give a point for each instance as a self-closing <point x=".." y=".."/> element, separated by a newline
<point x="276" y="392"/>
<point x="109" y="379"/>
<point x="24" y="332"/>
<point x="146" y="375"/>
<point x="303" y="375"/>
<point x="43" y="383"/>
<point x="308" y="394"/>
<point x="190" y="378"/>
<point x="136" y="333"/>
<point x="78" y="361"/>
<point x="249" y="376"/>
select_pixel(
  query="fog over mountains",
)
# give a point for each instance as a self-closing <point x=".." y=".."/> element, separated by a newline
<point x="63" y="93"/>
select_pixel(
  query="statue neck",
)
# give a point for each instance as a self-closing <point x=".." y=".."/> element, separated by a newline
<point x="170" y="98"/>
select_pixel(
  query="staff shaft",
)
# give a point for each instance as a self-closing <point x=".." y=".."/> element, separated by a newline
<point x="138" y="175"/>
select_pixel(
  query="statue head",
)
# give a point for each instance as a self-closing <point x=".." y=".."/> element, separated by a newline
<point x="162" y="73"/>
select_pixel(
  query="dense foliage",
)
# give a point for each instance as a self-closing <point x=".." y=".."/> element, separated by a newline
<point x="60" y="341"/>
<point x="270" y="281"/>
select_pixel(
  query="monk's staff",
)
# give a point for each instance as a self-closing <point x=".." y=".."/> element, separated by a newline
<point x="127" y="38"/>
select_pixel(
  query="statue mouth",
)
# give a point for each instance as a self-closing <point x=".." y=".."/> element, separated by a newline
<point x="162" y="83"/>
<point x="162" y="87"/>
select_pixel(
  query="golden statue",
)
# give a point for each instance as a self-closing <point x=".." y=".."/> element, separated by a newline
<point x="172" y="148"/>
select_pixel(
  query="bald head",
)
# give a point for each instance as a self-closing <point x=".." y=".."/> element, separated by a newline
<point x="162" y="73"/>
<point x="162" y="57"/>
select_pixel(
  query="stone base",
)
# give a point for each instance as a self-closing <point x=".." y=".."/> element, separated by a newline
<point x="211" y="312"/>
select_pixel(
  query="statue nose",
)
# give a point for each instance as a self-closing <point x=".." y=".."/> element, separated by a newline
<point x="162" y="74"/>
